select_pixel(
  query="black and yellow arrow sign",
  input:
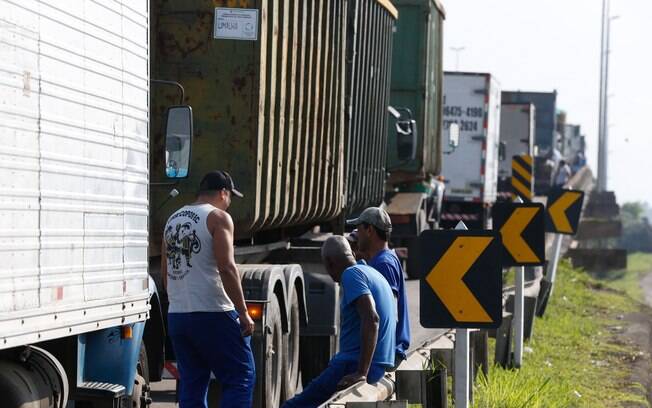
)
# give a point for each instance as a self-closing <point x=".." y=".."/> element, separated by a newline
<point x="523" y="177"/>
<point x="563" y="211"/>
<point x="461" y="283"/>
<point x="522" y="230"/>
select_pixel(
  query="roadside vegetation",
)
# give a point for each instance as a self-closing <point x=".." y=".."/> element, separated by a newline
<point x="578" y="356"/>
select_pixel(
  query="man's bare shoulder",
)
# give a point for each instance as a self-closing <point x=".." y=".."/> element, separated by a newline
<point x="219" y="219"/>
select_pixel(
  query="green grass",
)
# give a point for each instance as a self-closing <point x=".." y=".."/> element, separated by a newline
<point x="577" y="358"/>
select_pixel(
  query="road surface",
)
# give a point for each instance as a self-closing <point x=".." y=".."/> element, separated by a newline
<point x="163" y="392"/>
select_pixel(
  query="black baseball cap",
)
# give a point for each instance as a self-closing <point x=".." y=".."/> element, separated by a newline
<point x="218" y="180"/>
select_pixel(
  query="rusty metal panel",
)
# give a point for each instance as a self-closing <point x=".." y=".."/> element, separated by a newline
<point x="369" y="41"/>
<point x="268" y="111"/>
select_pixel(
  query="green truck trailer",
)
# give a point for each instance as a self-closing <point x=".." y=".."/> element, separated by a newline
<point x="291" y="98"/>
<point x="413" y="191"/>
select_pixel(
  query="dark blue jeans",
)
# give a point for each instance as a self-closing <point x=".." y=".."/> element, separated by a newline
<point x="211" y="342"/>
<point x="322" y="388"/>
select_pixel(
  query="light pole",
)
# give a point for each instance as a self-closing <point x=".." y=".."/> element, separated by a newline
<point x="603" y="129"/>
<point x="457" y="51"/>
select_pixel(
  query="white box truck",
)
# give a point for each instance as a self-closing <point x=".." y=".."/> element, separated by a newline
<point x="74" y="286"/>
<point x="472" y="101"/>
<point x="517" y="127"/>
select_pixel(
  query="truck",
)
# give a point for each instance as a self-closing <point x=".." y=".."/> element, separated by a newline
<point x="74" y="288"/>
<point x="517" y="130"/>
<point x="547" y="137"/>
<point x="289" y="97"/>
<point x="413" y="191"/>
<point x="472" y="102"/>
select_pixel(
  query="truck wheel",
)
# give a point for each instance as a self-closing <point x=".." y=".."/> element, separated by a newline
<point x="291" y="351"/>
<point x="273" y="355"/>
<point x="35" y="380"/>
<point x="140" y="397"/>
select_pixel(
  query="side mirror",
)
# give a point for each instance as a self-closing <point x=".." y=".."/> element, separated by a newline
<point x="406" y="133"/>
<point x="454" y="135"/>
<point x="178" y="141"/>
<point x="502" y="151"/>
<point x="406" y="139"/>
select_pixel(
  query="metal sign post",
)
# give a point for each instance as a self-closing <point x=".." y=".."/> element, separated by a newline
<point x="462" y="359"/>
<point x="562" y="218"/>
<point x="522" y="228"/>
<point x="552" y="269"/>
<point x="461" y="288"/>
<point x="518" y="316"/>
<point x="462" y="368"/>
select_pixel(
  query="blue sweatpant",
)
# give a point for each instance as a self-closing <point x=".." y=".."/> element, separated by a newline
<point x="212" y="342"/>
<point x="322" y="388"/>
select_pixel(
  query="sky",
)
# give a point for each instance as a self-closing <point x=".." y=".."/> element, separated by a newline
<point x="535" y="45"/>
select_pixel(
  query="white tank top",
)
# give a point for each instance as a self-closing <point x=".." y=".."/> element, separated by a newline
<point x="193" y="282"/>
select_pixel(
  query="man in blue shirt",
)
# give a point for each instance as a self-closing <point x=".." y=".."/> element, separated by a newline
<point x="374" y="227"/>
<point x="367" y="326"/>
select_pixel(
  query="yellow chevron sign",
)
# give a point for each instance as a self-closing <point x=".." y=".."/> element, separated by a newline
<point x="522" y="229"/>
<point x="564" y="209"/>
<point x="446" y="279"/>
<point x="523" y="177"/>
<point x="462" y="279"/>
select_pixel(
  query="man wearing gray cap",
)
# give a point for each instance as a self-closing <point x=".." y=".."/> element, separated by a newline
<point x="374" y="227"/>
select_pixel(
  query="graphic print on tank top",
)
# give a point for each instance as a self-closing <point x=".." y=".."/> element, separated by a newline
<point x="182" y="242"/>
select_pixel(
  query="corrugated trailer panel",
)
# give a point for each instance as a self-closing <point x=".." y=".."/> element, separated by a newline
<point x="370" y="50"/>
<point x="417" y="84"/>
<point x="74" y="146"/>
<point x="267" y="110"/>
<point x="272" y="111"/>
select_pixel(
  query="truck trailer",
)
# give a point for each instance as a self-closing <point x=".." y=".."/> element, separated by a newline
<point x="472" y="102"/>
<point x="546" y="140"/>
<point x="294" y="107"/>
<point x="517" y="127"/>
<point x="413" y="193"/>
<point x="74" y="288"/>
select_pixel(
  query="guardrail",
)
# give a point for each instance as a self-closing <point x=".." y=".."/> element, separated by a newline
<point x="419" y="359"/>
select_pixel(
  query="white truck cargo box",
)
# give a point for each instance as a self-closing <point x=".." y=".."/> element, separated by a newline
<point x="471" y="100"/>
<point x="74" y="96"/>
<point x="517" y="124"/>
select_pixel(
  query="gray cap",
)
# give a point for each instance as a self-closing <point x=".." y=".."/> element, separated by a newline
<point x="373" y="216"/>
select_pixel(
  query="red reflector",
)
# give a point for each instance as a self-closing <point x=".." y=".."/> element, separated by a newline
<point x="255" y="310"/>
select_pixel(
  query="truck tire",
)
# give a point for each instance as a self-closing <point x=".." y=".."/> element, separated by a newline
<point x="272" y="376"/>
<point x="291" y="376"/>
<point x="140" y="397"/>
<point x="35" y="380"/>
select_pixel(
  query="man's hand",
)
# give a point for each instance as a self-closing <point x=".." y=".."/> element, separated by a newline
<point x="246" y="324"/>
<point x="349" y="380"/>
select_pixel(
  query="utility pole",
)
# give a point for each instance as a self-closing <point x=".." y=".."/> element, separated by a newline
<point x="603" y="127"/>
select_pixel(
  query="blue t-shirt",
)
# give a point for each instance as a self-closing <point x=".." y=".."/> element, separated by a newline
<point x="358" y="280"/>
<point x="386" y="262"/>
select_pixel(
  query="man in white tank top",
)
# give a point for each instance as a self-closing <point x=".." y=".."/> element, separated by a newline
<point x="208" y="321"/>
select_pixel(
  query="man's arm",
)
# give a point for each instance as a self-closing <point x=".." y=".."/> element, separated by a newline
<point x="369" y="323"/>
<point x="222" y="231"/>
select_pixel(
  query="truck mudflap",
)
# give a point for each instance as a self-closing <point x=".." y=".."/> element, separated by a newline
<point x="111" y="355"/>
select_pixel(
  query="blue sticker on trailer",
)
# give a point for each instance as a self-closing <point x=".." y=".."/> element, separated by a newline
<point x="104" y="356"/>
